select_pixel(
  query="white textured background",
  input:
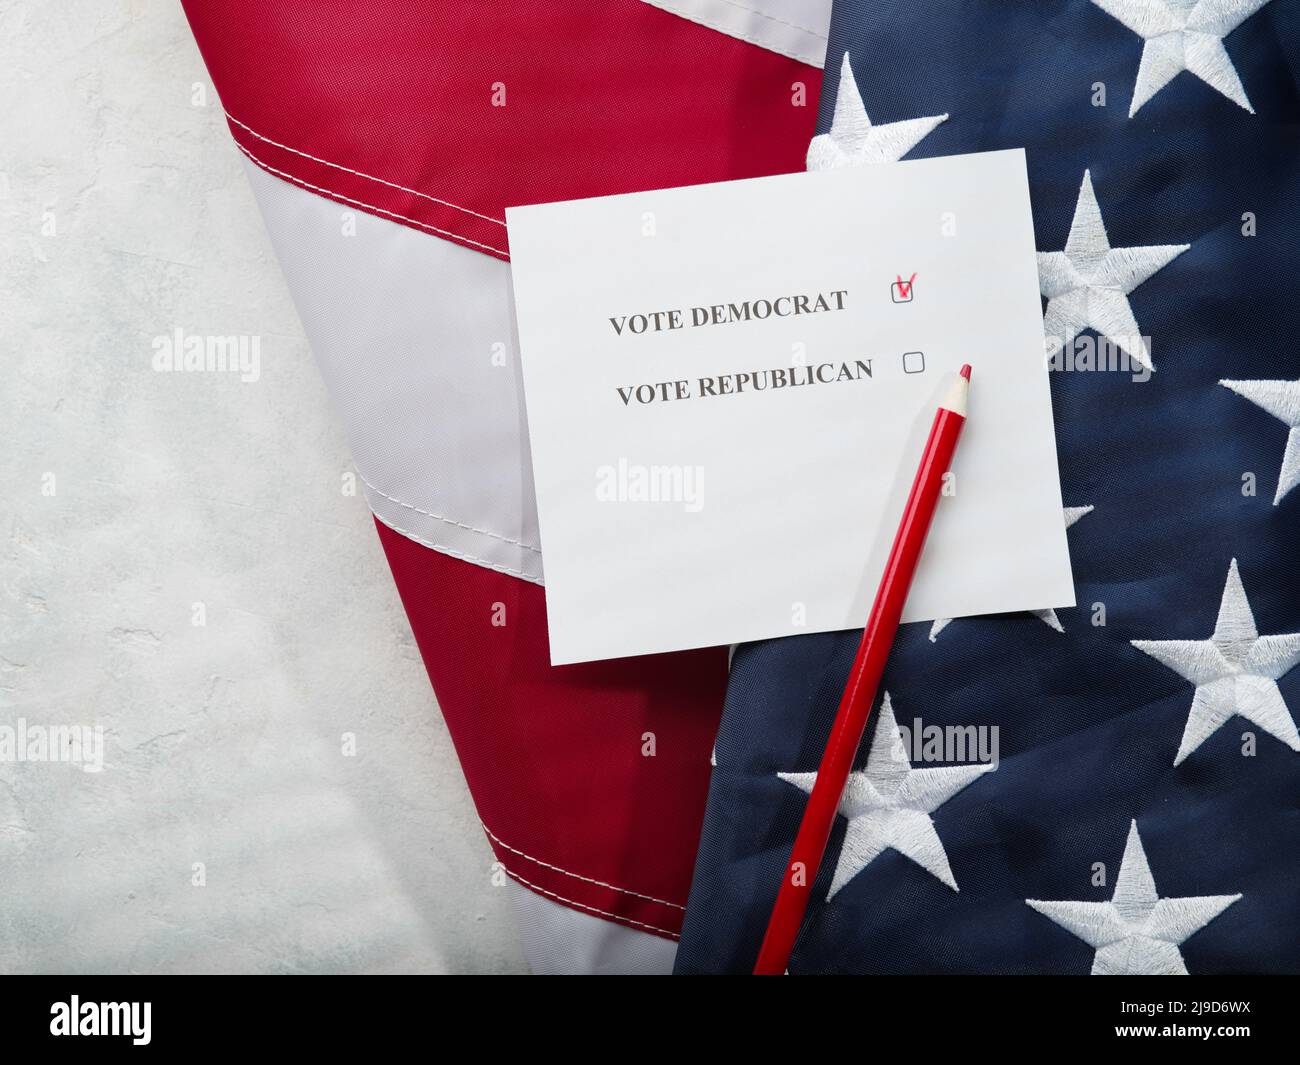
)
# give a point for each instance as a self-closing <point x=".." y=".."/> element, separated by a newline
<point x="223" y="742"/>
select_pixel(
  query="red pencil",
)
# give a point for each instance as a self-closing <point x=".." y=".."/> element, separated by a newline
<point x="864" y="679"/>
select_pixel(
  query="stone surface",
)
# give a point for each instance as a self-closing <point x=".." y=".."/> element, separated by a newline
<point x="130" y="496"/>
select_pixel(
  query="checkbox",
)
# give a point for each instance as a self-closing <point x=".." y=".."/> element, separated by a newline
<point x="913" y="361"/>
<point x="901" y="291"/>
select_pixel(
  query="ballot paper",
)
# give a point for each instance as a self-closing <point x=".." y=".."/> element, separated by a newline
<point x="728" y="388"/>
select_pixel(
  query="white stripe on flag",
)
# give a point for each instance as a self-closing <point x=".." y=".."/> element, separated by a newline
<point x="415" y="338"/>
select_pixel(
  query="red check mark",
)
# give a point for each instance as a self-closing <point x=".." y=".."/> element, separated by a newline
<point x="905" y="287"/>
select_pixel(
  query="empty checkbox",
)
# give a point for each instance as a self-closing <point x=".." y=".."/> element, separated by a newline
<point x="913" y="361"/>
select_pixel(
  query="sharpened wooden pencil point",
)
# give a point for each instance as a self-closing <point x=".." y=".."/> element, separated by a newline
<point x="955" y="399"/>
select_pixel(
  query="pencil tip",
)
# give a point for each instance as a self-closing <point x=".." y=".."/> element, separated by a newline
<point x="958" y="389"/>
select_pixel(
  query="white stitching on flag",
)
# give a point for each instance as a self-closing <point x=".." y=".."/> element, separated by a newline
<point x="583" y="906"/>
<point x="369" y="206"/>
<point x="358" y="173"/>
<point x="449" y="521"/>
<point x="464" y="556"/>
<point x="578" y="876"/>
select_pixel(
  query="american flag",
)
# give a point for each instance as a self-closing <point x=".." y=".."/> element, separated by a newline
<point x="1142" y="810"/>
<point x="1109" y="788"/>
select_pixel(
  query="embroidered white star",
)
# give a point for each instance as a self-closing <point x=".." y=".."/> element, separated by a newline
<point x="1087" y="284"/>
<point x="1183" y="35"/>
<point x="1137" y="933"/>
<point x="853" y="140"/>
<point x="889" y="803"/>
<point x="1235" y="672"/>
<point x="1048" y="616"/>
<point x="1282" y="400"/>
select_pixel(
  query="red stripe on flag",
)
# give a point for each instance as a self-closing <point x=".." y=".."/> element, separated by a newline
<point x="442" y="121"/>
<point x="555" y="756"/>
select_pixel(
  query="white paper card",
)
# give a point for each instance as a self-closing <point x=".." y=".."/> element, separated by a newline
<point x="728" y="388"/>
